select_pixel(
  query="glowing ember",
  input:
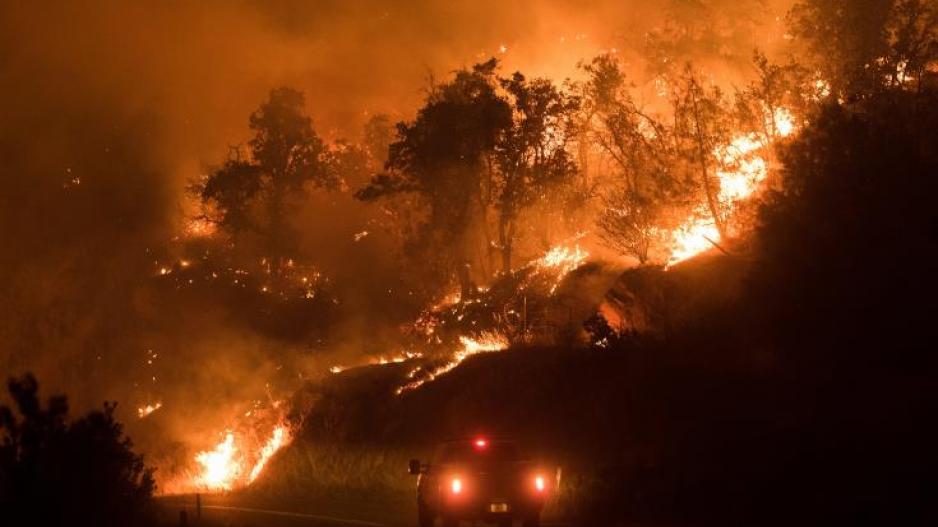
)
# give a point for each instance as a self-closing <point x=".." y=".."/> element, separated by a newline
<point x="144" y="411"/>
<point x="200" y="228"/>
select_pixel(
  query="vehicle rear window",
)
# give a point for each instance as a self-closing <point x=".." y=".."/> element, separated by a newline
<point x="499" y="451"/>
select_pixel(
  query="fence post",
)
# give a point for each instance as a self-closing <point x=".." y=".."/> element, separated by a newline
<point x="198" y="506"/>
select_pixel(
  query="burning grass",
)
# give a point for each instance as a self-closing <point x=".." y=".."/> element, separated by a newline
<point x="239" y="458"/>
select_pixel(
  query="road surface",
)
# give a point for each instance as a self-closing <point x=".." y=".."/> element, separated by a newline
<point x="218" y="511"/>
<point x="221" y="511"/>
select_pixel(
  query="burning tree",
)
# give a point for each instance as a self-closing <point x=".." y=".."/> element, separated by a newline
<point x="701" y="126"/>
<point x="480" y="146"/>
<point x="532" y="156"/>
<point x="253" y="192"/>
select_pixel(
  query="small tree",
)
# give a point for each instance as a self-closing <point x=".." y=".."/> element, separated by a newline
<point x="56" y="473"/>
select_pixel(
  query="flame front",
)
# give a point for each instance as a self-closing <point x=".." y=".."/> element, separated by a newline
<point x="279" y="438"/>
<point x="236" y="461"/>
<point x="220" y="467"/>
<point x="486" y="343"/>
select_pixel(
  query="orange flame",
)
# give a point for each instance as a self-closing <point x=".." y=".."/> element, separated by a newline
<point x="486" y="343"/>
<point x="145" y="411"/>
<point x="742" y="174"/>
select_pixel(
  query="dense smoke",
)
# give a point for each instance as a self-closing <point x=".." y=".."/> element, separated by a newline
<point x="111" y="110"/>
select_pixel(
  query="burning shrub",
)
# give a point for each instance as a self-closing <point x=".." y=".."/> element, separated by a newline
<point x="55" y="473"/>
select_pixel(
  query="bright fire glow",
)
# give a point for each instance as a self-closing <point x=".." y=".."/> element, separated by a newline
<point x="144" y="411"/>
<point x="564" y="258"/>
<point x="784" y="122"/>
<point x="742" y="172"/>
<point x="456" y="486"/>
<point x="539" y="483"/>
<point x="236" y="461"/>
<point x="561" y="260"/>
<point x="694" y="237"/>
<point x="481" y="443"/>
<point x="200" y="228"/>
<point x="220" y="468"/>
<point x="279" y="437"/>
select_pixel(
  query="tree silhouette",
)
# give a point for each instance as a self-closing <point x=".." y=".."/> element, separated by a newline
<point x="862" y="47"/>
<point x="54" y="472"/>
<point x="254" y="192"/>
<point x="445" y="156"/>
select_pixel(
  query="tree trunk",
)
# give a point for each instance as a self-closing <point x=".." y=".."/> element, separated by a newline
<point x="505" y="241"/>
<point x="276" y="234"/>
<point x="466" y="286"/>
<point x="712" y="201"/>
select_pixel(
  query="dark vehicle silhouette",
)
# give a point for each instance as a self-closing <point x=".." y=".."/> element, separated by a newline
<point x="479" y="480"/>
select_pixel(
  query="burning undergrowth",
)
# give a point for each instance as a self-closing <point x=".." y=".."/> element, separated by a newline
<point x="542" y="302"/>
<point x="240" y="454"/>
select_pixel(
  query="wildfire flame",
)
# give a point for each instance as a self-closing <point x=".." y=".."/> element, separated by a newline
<point x="279" y="438"/>
<point x="743" y="172"/>
<point x="695" y="236"/>
<point x="145" y="411"/>
<point x="485" y="343"/>
<point x="241" y="455"/>
<point x="561" y="260"/>
<point x="200" y="228"/>
<point x="220" y="468"/>
<point x="230" y="464"/>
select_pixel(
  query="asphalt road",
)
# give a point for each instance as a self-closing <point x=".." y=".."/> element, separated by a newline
<point x="229" y="514"/>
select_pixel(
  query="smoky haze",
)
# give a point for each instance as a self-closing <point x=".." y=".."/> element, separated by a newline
<point x="110" y="109"/>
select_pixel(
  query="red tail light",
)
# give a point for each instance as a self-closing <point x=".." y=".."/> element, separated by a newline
<point x="481" y="443"/>
<point x="456" y="486"/>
